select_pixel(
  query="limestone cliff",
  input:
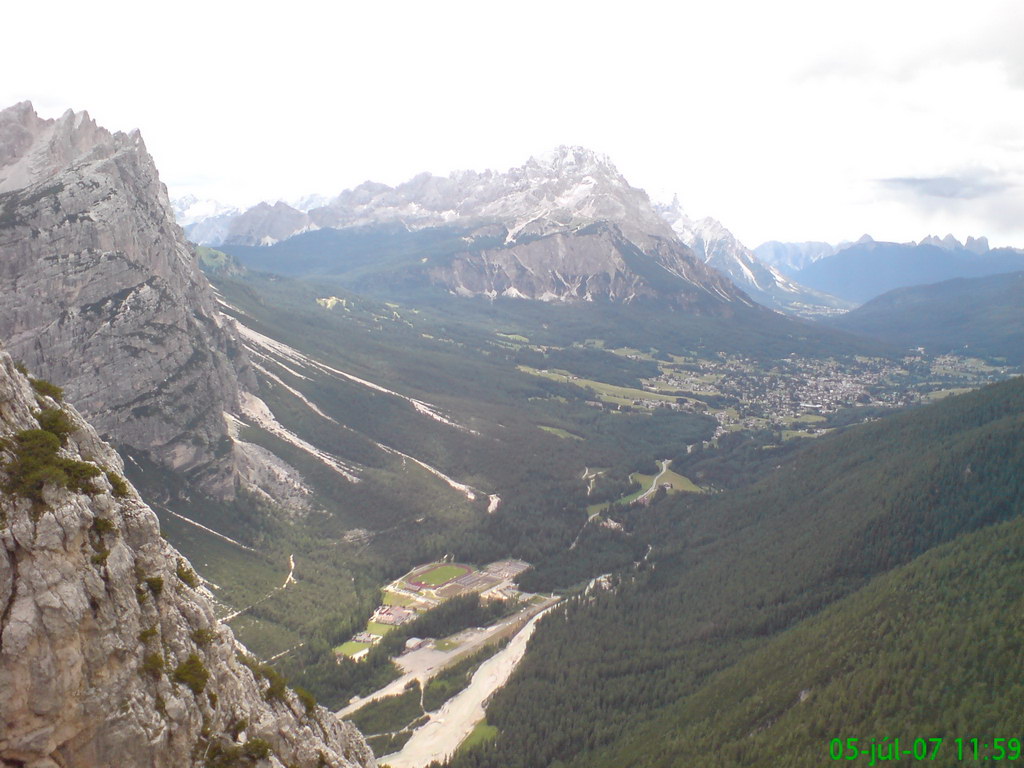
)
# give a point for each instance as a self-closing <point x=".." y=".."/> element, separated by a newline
<point x="100" y="293"/>
<point x="110" y="652"/>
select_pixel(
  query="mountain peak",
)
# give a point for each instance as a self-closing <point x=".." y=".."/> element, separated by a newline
<point x="571" y="186"/>
<point x="947" y="243"/>
<point x="33" y="148"/>
<point x="567" y="157"/>
<point x="79" y="194"/>
<point x="977" y="246"/>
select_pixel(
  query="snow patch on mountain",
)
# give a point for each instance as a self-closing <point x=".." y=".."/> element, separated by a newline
<point x="717" y="247"/>
<point x="189" y="209"/>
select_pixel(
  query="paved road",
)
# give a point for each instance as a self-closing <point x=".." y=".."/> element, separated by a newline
<point x="654" y="484"/>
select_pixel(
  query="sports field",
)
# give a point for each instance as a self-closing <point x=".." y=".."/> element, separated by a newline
<point x="438" y="575"/>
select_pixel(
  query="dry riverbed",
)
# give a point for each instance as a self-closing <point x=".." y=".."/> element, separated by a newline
<point x="449" y="726"/>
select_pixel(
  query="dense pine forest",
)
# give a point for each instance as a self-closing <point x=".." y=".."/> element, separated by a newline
<point x="853" y="576"/>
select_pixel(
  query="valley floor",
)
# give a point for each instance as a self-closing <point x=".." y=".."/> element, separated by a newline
<point x="424" y="663"/>
<point x="448" y="728"/>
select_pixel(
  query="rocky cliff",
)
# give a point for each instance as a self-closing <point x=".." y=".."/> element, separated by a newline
<point x="100" y="292"/>
<point x="110" y="652"/>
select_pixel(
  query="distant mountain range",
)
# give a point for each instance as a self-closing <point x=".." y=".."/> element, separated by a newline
<point x="566" y="226"/>
<point x="981" y="316"/>
<point x="867" y="268"/>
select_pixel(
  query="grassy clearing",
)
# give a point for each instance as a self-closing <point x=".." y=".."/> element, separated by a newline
<point x="680" y="484"/>
<point x="559" y="432"/>
<point x="441" y="574"/>
<point x="608" y="393"/>
<point x="480" y="734"/>
<point x="631" y="352"/>
<point x="393" y="598"/>
<point x="351" y="648"/>
<point x="446" y="645"/>
<point x="791" y="434"/>
<point x="807" y="418"/>
<point x="940" y="394"/>
<point x="376" y="628"/>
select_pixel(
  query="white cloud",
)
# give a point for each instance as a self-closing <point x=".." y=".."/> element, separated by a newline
<point x="776" y="118"/>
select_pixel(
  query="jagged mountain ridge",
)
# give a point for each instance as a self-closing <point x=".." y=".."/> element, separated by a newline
<point x="563" y="227"/>
<point x="100" y="292"/>
<point x="110" y="650"/>
<point x="570" y="186"/>
<point x="719" y="248"/>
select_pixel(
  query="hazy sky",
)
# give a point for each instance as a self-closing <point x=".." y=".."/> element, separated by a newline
<point x="784" y="120"/>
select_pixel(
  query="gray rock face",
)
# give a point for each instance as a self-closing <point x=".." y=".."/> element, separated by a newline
<point x="100" y="293"/>
<point x="717" y="247"/>
<point x="592" y="263"/>
<point x="110" y="652"/>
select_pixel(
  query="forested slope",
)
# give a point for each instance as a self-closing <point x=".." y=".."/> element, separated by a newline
<point x="732" y="572"/>
<point x="981" y="317"/>
<point x="929" y="650"/>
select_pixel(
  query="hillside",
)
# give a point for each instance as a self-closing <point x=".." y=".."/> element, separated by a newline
<point x="730" y="573"/>
<point x="982" y="316"/>
<point x="905" y="657"/>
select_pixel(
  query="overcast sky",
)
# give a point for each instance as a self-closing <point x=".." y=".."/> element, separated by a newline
<point x="784" y="120"/>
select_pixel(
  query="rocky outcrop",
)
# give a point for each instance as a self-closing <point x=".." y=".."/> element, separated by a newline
<point x="100" y="293"/>
<point x="110" y="652"/>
